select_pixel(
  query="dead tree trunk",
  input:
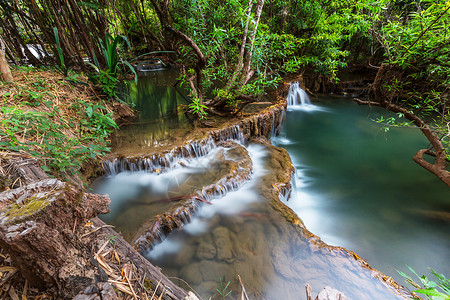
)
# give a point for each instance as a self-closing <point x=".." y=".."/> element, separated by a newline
<point x="37" y="225"/>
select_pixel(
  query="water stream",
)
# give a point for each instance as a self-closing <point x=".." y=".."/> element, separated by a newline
<point x="356" y="187"/>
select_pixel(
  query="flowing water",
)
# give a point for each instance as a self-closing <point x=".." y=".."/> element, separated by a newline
<point x="356" y="186"/>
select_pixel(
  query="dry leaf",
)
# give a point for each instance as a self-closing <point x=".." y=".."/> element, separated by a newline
<point x="102" y="247"/>
<point x="7" y="269"/>
<point x="13" y="294"/>
<point x="116" y="255"/>
<point x="123" y="288"/>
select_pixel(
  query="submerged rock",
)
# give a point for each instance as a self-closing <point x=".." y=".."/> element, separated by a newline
<point x="191" y="273"/>
<point x="206" y="249"/>
<point x="223" y="244"/>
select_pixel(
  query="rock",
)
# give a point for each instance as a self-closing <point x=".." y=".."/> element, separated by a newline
<point x="185" y="255"/>
<point x="223" y="244"/>
<point x="211" y="270"/>
<point x="283" y="265"/>
<point x="100" y="291"/>
<point x="206" y="249"/>
<point x="191" y="273"/>
<point x="208" y="288"/>
<point x="191" y="296"/>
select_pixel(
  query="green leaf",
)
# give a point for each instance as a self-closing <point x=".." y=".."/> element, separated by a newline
<point x="45" y="168"/>
<point x="432" y="292"/>
<point x="89" y="111"/>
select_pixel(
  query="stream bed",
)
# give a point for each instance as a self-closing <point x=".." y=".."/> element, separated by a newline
<point x="356" y="186"/>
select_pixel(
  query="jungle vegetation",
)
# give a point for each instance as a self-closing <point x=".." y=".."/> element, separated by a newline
<point x="230" y="52"/>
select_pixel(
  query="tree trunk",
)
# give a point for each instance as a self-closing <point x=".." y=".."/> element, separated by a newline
<point x="37" y="225"/>
<point x="4" y="67"/>
<point x="162" y="10"/>
<point x="248" y="55"/>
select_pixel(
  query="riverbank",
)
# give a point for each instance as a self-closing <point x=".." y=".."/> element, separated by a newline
<point x="63" y="124"/>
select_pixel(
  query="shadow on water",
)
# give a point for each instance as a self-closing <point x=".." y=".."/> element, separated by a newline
<point x="358" y="187"/>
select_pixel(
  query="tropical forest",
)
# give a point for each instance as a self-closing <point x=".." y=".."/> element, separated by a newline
<point x="242" y="149"/>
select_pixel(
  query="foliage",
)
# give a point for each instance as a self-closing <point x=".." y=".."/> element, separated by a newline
<point x="197" y="108"/>
<point x="416" y="48"/>
<point x="62" y="67"/>
<point x="433" y="290"/>
<point x="223" y="289"/>
<point x="38" y="134"/>
<point x="62" y="137"/>
<point x="108" y="78"/>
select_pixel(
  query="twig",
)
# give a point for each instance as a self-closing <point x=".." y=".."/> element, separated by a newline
<point x="154" y="292"/>
<point x="129" y="283"/>
<point x="97" y="229"/>
<point x="243" y="288"/>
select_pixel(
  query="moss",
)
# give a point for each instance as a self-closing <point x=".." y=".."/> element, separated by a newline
<point x="28" y="209"/>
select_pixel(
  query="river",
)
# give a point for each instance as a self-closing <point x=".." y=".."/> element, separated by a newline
<point x="356" y="187"/>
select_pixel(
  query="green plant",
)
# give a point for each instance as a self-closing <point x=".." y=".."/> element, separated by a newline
<point x="51" y="139"/>
<point x="198" y="108"/>
<point x="433" y="290"/>
<point x="63" y="66"/>
<point x="223" y="289"/>
<point x="108" y="78"/>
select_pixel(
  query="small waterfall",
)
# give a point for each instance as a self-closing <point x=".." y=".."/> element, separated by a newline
<point x="297" y="96"/>
<point x="276" y="129"/>
<point x="176" y="157"/>
<point x="177" y="217"/>
<point x="160" y="163"/>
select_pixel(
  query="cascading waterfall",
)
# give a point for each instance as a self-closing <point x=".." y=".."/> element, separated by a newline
<point x="297" y="96"/>
<point x="238" y="227"/>
<point x="175" y="158"/>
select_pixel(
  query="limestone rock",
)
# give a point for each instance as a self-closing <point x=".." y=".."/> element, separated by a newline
<point x="191" y="273"/>
<point x="211" y="270"/>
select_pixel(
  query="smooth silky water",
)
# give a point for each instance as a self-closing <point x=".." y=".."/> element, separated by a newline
<point x="356" y="187"/>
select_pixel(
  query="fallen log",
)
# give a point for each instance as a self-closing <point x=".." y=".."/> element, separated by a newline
<point x="37" y="224"/>
<point x="42" y="227"/>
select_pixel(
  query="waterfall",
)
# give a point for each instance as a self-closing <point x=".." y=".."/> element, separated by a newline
<point x="297" y="96"/>
<point x="174" y="158"/>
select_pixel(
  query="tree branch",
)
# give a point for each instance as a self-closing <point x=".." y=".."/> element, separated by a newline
<point x="439" y="168"/>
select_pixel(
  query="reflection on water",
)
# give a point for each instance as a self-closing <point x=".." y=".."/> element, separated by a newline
<point x="358" y="187"/>
<point x="157" y="101"/>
